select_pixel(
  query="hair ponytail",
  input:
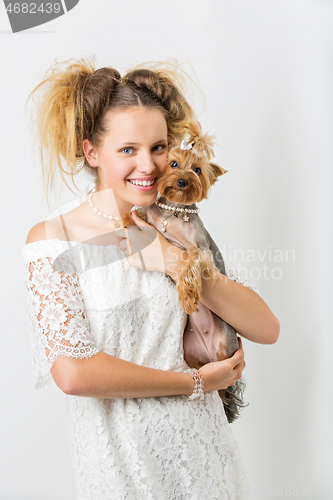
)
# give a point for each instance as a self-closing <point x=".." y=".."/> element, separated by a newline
<point x="70" y="103"/>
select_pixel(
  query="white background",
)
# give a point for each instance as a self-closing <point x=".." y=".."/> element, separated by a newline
<point x="266" y="70"/>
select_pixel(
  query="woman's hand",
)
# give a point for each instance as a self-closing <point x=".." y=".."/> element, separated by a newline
<point x="222" y="374"/>
<point x="147" y="249"/>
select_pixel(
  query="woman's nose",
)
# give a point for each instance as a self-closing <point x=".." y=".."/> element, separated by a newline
<point x="146" y="163"/>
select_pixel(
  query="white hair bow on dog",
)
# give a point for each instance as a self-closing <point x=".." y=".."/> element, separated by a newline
<point x="186" y="146"/>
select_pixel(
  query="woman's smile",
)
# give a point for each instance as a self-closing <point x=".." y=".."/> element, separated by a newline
<point x="144" y="184"/>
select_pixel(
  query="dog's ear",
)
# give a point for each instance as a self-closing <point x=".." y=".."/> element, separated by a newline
<point x="217" y="169"/>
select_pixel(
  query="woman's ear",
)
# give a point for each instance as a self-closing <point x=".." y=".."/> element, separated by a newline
<point x="90" y="153"/>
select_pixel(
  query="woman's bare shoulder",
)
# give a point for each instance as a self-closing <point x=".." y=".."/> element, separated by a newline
<point x="52" y="228"/>
<point x="77" y="222"/>
<point x="36" y="233"/>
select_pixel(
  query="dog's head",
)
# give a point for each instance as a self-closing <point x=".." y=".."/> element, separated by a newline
<point x="189" y="173"/>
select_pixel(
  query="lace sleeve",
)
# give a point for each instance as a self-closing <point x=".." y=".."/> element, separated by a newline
<point x="58" y="322"/>
<point x="236" y="276"/>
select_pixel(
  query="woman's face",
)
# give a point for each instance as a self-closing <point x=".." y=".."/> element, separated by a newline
<point x="135" y="147"/>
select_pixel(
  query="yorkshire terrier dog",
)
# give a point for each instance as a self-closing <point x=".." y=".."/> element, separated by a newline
<point x="187" y="180"/>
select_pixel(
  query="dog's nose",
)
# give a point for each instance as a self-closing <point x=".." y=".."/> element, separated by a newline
<point x="182" y="183"/>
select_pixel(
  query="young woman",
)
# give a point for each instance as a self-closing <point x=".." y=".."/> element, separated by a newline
<point x="107" y="326"/>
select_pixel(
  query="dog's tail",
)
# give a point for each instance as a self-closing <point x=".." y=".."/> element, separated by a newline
<point x="232" y="399"/>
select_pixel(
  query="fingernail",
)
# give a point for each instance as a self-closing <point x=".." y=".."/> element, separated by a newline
<point x="241" y="351"/>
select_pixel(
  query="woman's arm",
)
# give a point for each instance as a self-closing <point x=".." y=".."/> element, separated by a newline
<point x="107" y="377"/>
<point x="242" y="308"/>
<point x="236" y="304"/>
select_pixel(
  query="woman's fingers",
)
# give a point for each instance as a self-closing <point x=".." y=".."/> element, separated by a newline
<point x="238" y="364"/>
<point x="123" y="245"/>
<point x="135" y="239"/>
<point x="238" y="371"/>
<point x="237" y="358"/>
<point x="144" y="247"/>
<point x="222" y="374"/>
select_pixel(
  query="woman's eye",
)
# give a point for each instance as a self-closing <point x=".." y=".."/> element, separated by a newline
<point x="159" y="147"/>
<point x="197" y="170"/>
<point x="127" y="150"/>
<point x="174" y="164"/>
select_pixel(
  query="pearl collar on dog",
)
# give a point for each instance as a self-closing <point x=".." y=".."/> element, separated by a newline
<point x="175" y="210"/>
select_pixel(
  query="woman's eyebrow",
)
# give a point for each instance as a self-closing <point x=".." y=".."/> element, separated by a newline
<point x="128" y="144"/>
<point x="138" y="144"/>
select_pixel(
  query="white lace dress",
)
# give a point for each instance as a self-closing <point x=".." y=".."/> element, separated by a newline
<point x="83" y="299"/>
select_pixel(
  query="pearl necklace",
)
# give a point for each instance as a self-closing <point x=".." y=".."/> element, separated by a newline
<point x="101" y="213"/>
<point x="175" y="210"/>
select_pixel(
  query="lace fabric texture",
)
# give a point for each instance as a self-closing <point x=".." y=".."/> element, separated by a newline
<point x="84" y="299"/>
<point x="236" y="276"/>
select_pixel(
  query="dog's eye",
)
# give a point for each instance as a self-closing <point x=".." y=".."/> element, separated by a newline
<point x="197" y="170"/>
<point x="174" y="164"/>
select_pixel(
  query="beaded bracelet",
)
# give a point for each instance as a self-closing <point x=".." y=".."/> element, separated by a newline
<point x="198" y="385"/>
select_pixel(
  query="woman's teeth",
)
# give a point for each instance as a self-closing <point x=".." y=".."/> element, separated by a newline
<point x="142" y="183"/>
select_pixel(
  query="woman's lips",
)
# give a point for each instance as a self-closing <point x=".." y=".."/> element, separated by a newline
<point x="143" y="188"/>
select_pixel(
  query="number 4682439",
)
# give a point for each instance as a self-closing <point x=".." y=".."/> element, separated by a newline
<point x="31" y="8"/>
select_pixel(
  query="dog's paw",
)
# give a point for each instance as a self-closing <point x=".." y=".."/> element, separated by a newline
<point x="189" y="302"/>
<point x="190" y="308"/>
